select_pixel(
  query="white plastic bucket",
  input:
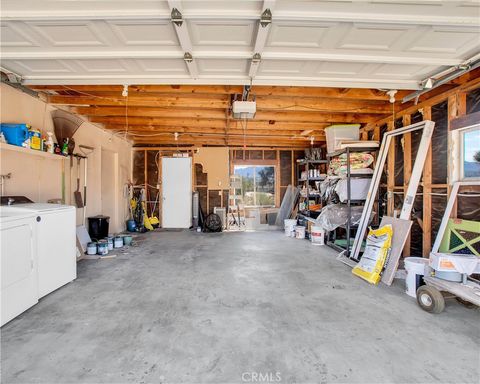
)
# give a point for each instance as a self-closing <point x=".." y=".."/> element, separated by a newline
<point x="415" y="267"/>
<point x="317" y="235"/>
<point x="289" y="225"/>
<point x="300" y="232"/>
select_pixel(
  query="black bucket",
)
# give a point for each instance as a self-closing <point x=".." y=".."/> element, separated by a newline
<point x="98" y="227"/>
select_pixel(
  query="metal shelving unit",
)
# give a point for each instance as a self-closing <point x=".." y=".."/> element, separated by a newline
<point x="350" y="202"/>
<point x="306" y="181"/>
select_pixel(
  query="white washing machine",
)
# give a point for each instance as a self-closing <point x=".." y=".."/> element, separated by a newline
<point x="56" y="243"/>
<point x="19" y="285"/>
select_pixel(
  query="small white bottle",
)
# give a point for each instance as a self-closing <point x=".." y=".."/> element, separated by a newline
<point x="49" y="142"/>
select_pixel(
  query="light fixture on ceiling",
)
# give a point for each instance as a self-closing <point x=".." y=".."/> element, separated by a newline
<point x="176" y="17"/>
<point x="175" y="135"/>
<point x="188" y="57"/>
<point x="266" y="18"/>
<point x="392" y="94"/>
<point x="125" y="91"/>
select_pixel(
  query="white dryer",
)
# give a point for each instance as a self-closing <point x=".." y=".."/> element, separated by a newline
<point x="56" y="243"/>
<point x="19" y="288"/>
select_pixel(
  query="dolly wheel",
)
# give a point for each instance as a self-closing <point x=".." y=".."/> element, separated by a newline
<point x="430" y="299"/>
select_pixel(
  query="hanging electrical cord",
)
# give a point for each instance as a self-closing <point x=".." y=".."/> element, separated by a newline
<point x="125" y="94"/>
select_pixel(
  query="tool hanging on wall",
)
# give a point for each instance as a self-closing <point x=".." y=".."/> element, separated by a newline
<point x="77" y="194"/>
<point x="86" y="150"/>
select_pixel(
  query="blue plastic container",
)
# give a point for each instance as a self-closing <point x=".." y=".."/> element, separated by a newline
<point x="15" y="134"/>
<point x="131" y="225"/>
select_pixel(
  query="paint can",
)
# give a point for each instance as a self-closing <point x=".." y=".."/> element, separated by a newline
<point x="127" y="240"/>
<point x="300" y="232"/>
<point x="289" y="226"/>
<point x="92" y="248"/>
<point x="102" y="248"/>
<point x="317" y="235"/>
<point x="415" y="267"/>
<point x="109" y="242"/>
<point x="118" y="242"/>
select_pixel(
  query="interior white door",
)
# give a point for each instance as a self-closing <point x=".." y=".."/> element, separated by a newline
<point x="176" y="192"/>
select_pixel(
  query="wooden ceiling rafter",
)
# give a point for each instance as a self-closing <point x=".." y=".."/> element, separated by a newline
<point x="201" y="114"/>
<point x="200" y="90"/>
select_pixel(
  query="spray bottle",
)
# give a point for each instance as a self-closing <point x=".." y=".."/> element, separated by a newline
<point x="49" y="142"/>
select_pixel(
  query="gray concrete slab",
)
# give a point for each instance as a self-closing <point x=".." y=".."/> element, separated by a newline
<point x="226" y="308"/>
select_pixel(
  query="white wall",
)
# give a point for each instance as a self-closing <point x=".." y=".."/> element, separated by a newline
<point x="40" y="179"/>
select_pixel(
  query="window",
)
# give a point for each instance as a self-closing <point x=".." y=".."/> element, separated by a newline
<point x="470" y="153"/>
<point x="258" y="185"/>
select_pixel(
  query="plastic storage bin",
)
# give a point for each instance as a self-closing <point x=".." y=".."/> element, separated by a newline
<point x="15" y="134"/>
<point x="337" y="133"/>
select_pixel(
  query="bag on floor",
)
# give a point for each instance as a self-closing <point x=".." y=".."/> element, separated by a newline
<point x="377" y="250"/>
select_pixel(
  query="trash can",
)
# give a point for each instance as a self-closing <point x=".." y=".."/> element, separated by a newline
<point x="98" y="227"/>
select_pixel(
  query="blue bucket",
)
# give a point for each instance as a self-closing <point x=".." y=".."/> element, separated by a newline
<point x="15" y="134"/>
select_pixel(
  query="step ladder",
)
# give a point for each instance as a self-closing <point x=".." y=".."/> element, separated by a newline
<point x="236" y="207"/>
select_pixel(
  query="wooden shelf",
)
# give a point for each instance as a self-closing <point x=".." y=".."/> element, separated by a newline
<point x="31" y="152"/>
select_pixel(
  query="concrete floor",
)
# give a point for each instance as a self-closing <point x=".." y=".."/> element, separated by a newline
<point x="221" y="308"/>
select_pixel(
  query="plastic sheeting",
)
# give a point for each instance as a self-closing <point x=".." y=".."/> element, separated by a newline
<point x="336" y="215"/>
<point x="358" y="189"/>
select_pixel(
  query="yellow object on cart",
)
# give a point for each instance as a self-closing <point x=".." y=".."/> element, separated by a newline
<point x="370" y="266"/>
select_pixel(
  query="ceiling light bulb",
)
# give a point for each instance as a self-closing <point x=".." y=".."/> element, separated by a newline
<point x="392" y="94"/>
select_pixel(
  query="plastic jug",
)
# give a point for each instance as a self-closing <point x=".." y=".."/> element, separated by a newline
<point x="15" y="134"/>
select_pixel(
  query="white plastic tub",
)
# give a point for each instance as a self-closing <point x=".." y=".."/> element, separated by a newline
<point x="289" y="226"/>
<point x="337" y="133"/>
<point x="317" y="235"/>
<point x="300" y="232"/>
<point x="415" y="267"/>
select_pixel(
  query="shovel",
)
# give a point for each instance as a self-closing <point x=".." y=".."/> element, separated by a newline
<point x="77" y="194"/>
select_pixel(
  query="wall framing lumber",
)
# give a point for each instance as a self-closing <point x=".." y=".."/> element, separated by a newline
<point x="427" y="190"/>
<point x="407" y="170"/>
<point x="391" y="172"/>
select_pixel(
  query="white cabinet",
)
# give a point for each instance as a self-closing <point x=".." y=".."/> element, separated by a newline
<point x="56" y="249"/>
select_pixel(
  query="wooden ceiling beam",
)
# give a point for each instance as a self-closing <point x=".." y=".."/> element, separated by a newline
<point x="200" y="130"/>
<point x="145" y="101"/>
<point x="307" y="116"/>
<point x="263" y="103"/>
<point x="322" y="105"/>
<point x="222" y="141"/>
<point x="152" y="112"/>
<point x="251" y="124"/>
<point x="275" y="91"/>
<point x="321" y="117"/>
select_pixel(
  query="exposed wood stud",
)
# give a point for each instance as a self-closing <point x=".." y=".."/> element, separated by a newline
<point x="457" y="106"/>
<point x="427" y="197"/>
<point x="407" y="170"/>
<point x="391" y="172"/>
